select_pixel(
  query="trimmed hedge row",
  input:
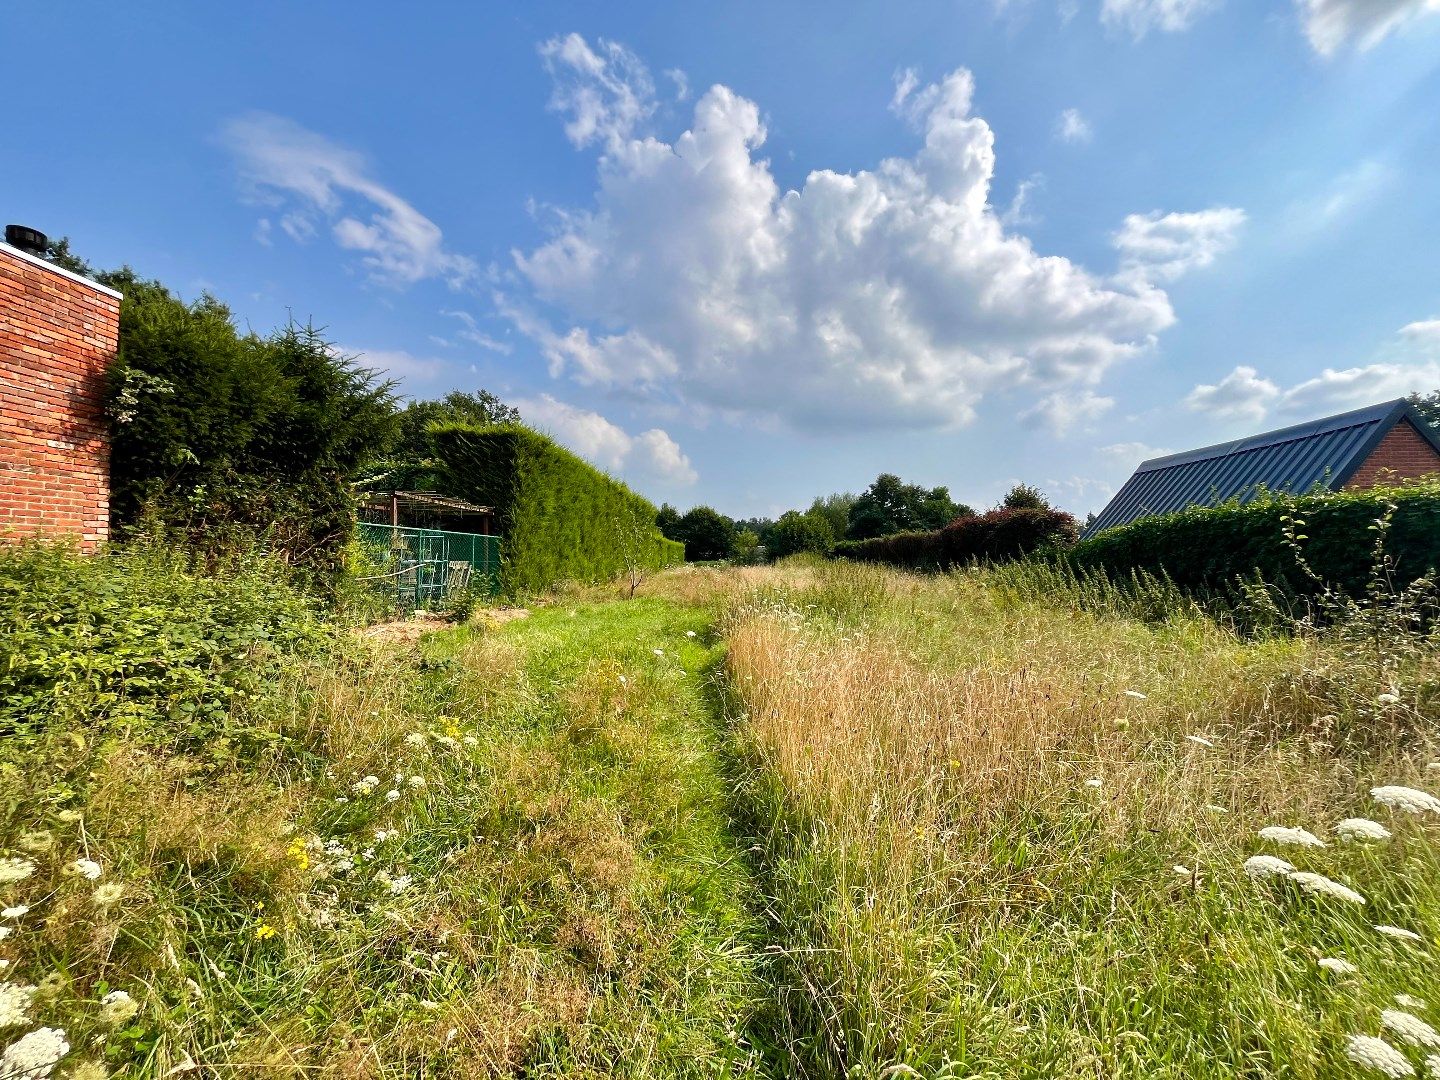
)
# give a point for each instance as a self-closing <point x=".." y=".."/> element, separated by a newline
<point x="560" y="518"/>
<point x="996" y="536"/>
<point x="1207" y="550"/>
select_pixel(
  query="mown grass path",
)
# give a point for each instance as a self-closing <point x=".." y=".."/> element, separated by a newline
<point x="625" y="887"/>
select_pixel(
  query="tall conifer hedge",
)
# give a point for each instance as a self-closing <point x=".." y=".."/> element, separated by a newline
<point x="560" y="518"/>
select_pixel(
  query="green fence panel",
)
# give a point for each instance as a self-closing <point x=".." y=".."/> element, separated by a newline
<point x="422" y="567"/>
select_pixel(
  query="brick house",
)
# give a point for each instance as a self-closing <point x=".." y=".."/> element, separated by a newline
<point x="58" y="332"/>
<point x="1385" y="443"/>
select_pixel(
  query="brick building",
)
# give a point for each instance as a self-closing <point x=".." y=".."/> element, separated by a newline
<point x="1385" y="443"/>
<point x="58" y="332"/>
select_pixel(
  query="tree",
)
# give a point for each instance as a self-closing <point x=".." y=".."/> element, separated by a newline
<point x="890" y="506"/>
<point x="745" y="548"/>
<point x="1025" y="497"/>
<point x="667" y="520"/>
<point x="1428" y="406"/>
<point x="796" y="532"/>
<point x="835" y="509"/>
<point x="227" y="439"/>
<point x="707" y="534"/>
<point x="411" y="463"/>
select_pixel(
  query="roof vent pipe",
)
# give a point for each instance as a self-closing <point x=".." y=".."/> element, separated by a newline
<point x="31" y="241"/>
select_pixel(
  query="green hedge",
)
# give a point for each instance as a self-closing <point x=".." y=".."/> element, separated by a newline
<point x="560" y="518"/>
<point x="1000" y="535"/>
<point x="1207" y="550"/>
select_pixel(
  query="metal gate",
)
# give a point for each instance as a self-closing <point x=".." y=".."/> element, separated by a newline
<point x="424" y="567"/>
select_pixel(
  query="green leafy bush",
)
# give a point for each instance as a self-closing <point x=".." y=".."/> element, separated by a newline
<point x="1210" y="551"/>
<point x="134" y="639"/>
<point x="796" y="533"/>
<point x="561" y="519"/>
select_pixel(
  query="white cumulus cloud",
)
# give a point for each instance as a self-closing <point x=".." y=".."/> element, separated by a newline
<point x="893" y="296"/>
<point x="649" y="456"/>
<point x="1244" y="394"/>
<point x="1071" y="127"/>
<point x="1139" y="17"/>
<point x="604" y="92"/>
<point x="282" y="163"/>
<point x="1408" y="365"/>
<point x="1162" y="247"/>
<point x="1329" y="24"/>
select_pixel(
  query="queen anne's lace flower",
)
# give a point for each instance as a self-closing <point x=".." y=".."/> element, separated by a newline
<point x="15" y="870"/>
<point x="1336" y="966"/>
<point x="1320" y="885"/>
<point x="1377" y="1054"/>
<point x="1409" y="1029"/>
<point x="415" y="739"/>
<point x="1410" y="800"/>
<point x="365" y="785"/>
<point x="1094" y="781"/>
<point x="117" y="1007"/>
<point x="14" y="912"/>
<point x="1279" y="834"/>
<point x="108" y="893"/>
<point x="15" y="1004"/>
<point x="1260" y="867"/>
<point x="1409" y="1002"/>
<point x="34" y="1056"/>
<point x="1399" y="933"/>
<point x="88" y="869"/>
<point x="1359" y="828"/>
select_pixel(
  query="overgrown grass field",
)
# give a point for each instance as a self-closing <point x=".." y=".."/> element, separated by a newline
<point x="805" y="821"/>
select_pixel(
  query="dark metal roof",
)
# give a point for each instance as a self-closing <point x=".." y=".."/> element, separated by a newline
<point x="1297" y="459"/>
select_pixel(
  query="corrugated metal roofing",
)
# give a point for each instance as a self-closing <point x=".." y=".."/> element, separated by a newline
<point x="1294" y="459"/>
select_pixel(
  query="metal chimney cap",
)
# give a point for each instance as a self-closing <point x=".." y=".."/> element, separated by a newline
<point x="31" y="241"/>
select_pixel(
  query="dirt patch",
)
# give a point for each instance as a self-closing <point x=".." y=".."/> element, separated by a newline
<point x="499" y="616"/>
<point x="403" y="631"/>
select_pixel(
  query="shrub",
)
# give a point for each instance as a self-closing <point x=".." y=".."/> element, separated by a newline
<point x="135" y="639"/>
<point x="1006" y="534"/>
<point x="561" y="519"/>
<point x="1209" y="551"/>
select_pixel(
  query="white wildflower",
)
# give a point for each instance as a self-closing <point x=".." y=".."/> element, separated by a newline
<point x="416" y="781"/>
<point x="447" y="742"/>
<point x="1409" y="1001"/>
<point x="117" y="1007"/>
<point x="1359" y="828"/>
<point x="1388" y="699"/>
<point x="1433" y="766"/>
<point x="391" y="795"/>
<point x="1135" y="694"/>
<point x="88" y="869"/>
<point x="341" y="799"/>
<point x="415" y="738"/>
<point x="34" y="1056"/>
<point x="13" y="912"/>
<point x="1199" y="741"/>
<point x="1216" y="808"/>
<point x="15" y="870"/>
<point x="1279" y="834"/>
<point x="658" y="652"/>
<point x="1183" y="871"/>
<point x="1410" y="800"/>
<point x="470" y="740"/>
<point x="365" y="785"/>
<point x="108" y="894"/>
<point x="624" y="681"/>
<point x="1377" y="1054"/>
<point x="1320" y="885"/>
<point x="1398" y="932"/>
<point x="1337" y="966"/>
<point x="689" y="633"/>
<point x="1409" y="1028"/>
<point x="1260" y="867"/>
<point x="15" y="1004"/>
<point x="1093" y="782"/>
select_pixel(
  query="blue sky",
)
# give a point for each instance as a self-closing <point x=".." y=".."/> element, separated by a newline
<point x="746" y="254"/>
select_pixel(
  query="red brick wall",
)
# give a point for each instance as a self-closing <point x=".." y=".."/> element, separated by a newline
<point x="1403" y="454"/>
<point x="57" y="334"/>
